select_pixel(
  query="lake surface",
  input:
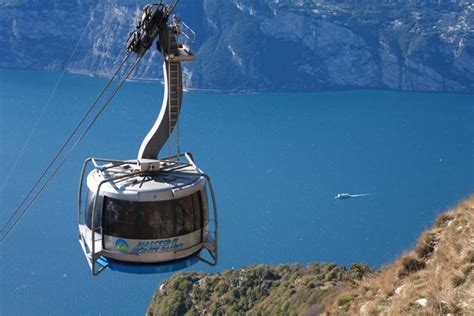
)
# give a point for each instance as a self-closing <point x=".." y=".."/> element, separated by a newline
<point x="276" y="160"/>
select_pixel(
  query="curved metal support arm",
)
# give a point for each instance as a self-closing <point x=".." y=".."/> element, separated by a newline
<point x="172" y="98"/>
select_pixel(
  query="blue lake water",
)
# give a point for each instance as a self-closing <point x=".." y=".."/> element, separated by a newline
<point x="276" y="160"/>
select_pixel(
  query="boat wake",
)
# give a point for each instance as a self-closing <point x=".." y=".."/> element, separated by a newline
<point x="344" y="196"/>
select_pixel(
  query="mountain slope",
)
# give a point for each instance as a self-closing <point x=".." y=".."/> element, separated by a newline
<point x="436" y="277"/>
<point x="260" y="44"/>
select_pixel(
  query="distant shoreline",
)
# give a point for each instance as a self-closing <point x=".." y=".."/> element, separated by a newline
<point x="247" y="91"/>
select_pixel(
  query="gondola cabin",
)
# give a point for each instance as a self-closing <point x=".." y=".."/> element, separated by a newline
<point x="146" y="216"/>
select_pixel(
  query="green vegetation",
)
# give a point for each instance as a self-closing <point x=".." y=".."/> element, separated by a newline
<point x="284" y="289"/>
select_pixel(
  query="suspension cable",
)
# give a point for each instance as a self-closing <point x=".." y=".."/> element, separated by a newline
<point x="172" y="5"/>
<point x="7" y="228"/>
<point x="71" y="135"/>
<point x="43" y="110"/>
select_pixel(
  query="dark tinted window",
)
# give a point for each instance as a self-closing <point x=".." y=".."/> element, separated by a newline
<point x="90" y="204"/>
<point x="153" y="220"/>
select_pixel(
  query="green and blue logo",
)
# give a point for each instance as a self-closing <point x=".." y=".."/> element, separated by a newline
<point x="121" y="245"/>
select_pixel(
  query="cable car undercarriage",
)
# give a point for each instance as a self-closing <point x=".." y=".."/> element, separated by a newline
<point x="150" y="215"/>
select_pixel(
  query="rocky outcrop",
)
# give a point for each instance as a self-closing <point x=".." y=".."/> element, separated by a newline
<point x="259" y="45"/>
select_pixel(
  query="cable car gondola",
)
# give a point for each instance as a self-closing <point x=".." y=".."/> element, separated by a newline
<point x="150" y="215"/>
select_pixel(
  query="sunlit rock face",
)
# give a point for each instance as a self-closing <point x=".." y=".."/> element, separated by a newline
<point x="259" y="45"/>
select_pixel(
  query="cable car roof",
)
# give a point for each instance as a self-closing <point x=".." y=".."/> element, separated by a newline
<point x="172" y="181"/>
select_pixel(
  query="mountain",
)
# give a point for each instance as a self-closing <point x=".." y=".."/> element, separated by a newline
<point x="434" y="278"/>
<point x="260" y="45"/>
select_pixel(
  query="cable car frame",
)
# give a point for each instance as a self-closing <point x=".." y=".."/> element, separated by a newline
<point x="95" y="248"/>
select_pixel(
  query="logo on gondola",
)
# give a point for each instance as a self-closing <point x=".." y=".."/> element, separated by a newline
<point x="121" y="245"/>
<point x="157" y="246"/>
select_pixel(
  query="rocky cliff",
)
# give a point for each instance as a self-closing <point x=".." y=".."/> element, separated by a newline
<point x="263" y="45"/>
<point x="435" y="278"/>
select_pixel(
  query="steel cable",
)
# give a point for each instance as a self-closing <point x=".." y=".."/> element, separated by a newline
<point x="7" y="228"/>
<point x="45" y="106"/>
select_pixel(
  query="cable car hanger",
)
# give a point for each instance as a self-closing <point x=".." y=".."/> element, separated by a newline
<point x="146" y="215"/>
